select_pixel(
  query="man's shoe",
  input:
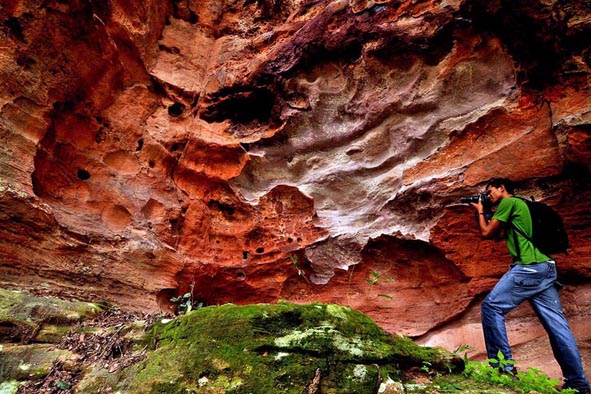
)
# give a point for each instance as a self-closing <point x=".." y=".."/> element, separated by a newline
<point x="512" y="372"/>
<point x="579" y="391"/>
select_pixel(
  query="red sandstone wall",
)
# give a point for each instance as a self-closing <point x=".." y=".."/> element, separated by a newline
<point x="149" y="145"/>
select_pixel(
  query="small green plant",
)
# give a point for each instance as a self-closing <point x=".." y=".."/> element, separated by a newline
<point x="63" y="385"/>
<point x="374" y="278"/>
<point x="465" y="349"/>
<point x="107" y="306"/>
<point x="185" y="303"/>
<point x="501" y="361"/>
<point x="532" y="380"/>
<point x="450" y="387"/>
<point x="294" y="263"/>
<point x="426" y="367"/>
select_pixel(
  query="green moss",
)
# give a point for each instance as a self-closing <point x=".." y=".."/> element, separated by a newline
<point x="26" y="317"/>
<point x="51" y="333"/>
<point x="22" y="306"/>
<point x="30" y="361"/>
<point x="10" y="387"/>
<point x="459" y="383"/>
<point x="273" y="348"/>
<point x="100" y="380"/>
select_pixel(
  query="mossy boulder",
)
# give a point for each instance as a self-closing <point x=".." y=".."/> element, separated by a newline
<point x="30" y="326"/>
<point x="283" y="348"/>
<point x="25" y="362"/>
<point x="27" y="318"/>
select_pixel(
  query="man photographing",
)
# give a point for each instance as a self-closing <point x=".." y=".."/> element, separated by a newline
<point x="532" y="277"/>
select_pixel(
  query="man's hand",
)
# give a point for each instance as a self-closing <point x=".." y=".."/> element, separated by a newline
<point x="478" y="205"/>
<point x="488" y="229"/>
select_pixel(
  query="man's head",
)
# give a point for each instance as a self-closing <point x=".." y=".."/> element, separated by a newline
<point x="499" y="188"/>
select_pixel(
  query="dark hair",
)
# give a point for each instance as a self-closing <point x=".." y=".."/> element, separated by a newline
<point x="497" y="182"/>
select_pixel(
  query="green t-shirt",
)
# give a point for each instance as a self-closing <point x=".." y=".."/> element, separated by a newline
<point x="514" y="210"/>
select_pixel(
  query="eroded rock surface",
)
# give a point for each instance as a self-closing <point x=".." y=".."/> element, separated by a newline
<point x="303" y="150"/>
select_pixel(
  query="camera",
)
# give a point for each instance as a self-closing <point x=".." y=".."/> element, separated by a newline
<point x="486" y="203"/>
<point x="474" y="199"/>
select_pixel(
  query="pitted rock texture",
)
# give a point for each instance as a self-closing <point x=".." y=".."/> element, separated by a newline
<point x="303" y="150"/>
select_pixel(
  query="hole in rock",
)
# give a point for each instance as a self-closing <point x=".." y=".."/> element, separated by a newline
<point x="576" y="170"/>
<point x="175" y="147"/>
<point x="83" y="174"/>
<point x="175" y="225"/>
<point x="242" y="107"/>
<point x="224" y="208"/>
<point x="244" y="254"/>
<point x="260" y="250"/>
<point x="241" y="275"/>
<point x="25" y="61"/>
<point x="15" y="28"/>
<point x="100" y="136"/>
<point x="193" y="18"/>
<point x="289" y="240"/>
<point x="176" y="109"/>
<point x="345" y="51"/>
<point x="173" y="49"/>
<point x="64" y="106"/>
<point x="140" y="145"/>
<point x="116" y="351"/>
<point x="354" y="150"/>
<point x="245" y="146"/>
<point x="151" y="163"/>
<point x="163" y="299"/>
<point x="526" y="32"/>
<point x="352" y="51"/>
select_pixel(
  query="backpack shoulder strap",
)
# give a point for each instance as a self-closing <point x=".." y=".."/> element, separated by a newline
<point x="520" y="231"/>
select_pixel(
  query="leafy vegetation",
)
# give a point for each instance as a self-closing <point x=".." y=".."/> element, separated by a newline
<point x="530" y="381"/>
<point x="375" y="277"/>
<point x="186" y="303"/>
<point x="294" y="263"/>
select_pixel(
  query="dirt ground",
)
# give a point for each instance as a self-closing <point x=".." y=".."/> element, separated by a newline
<point x="97" y="341"/>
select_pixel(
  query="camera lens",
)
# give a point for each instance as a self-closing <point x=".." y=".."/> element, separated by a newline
<point x="467" y="200"/>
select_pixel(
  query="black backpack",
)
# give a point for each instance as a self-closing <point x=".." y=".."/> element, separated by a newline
<point x="548" y="233"/>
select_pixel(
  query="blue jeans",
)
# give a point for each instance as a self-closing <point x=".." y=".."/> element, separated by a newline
<point x="536" y="284"/>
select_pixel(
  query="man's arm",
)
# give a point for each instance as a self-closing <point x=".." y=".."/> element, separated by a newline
<point x="488" y="229"/>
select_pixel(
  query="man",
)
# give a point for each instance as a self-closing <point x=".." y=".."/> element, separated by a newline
<point x="532" y="277"/>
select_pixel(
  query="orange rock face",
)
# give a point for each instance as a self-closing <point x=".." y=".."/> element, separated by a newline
<point x="311" y="151"/>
